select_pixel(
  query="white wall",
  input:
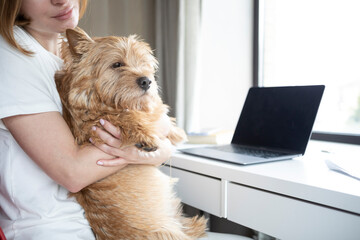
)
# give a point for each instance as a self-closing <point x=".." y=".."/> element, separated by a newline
<point x="227" y="60"/>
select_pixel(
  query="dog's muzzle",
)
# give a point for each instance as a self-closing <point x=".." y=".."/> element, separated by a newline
<point x="144" y="83"/>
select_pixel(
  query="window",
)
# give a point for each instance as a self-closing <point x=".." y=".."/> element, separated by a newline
<point x="226" y="61"/>
<point x="306" y="42"/>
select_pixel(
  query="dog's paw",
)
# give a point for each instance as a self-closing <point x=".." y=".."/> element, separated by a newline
<point x="145" y="147"/>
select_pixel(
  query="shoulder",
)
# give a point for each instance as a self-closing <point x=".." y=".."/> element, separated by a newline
<point x="19" y="72"/>
<point x="12" y="57"/>
<point x="21" y="37"/>
<point x="27" y="82"/>
<point x="15" y="65"/>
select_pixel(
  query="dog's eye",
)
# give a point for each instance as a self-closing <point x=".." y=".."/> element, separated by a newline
<point x="117" y="65"/>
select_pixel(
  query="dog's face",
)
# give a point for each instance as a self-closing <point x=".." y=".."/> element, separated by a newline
<point x="116" y="72"/>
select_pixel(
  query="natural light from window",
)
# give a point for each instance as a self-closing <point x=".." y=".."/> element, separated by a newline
<point x="310" y="42"/>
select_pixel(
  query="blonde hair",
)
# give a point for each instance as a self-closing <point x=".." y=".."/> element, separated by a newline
<point x="10" y="16"/>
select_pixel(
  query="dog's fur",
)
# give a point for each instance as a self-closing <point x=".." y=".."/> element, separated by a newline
<point x="99" y="80"/>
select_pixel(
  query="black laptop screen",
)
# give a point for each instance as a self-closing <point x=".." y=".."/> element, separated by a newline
<point x="278" y="117"/>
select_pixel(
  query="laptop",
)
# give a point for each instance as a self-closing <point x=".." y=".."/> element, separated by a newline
<point x="275" y="124"/>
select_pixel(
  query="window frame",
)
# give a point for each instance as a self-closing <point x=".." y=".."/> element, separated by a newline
<point x="258" y="50"/>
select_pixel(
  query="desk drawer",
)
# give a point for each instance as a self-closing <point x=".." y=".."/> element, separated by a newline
<point x="288" y="218"/>
<point x="197" y="190"/>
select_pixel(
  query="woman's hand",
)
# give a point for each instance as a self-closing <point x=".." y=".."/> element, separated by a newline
<point x="131" y="154"/>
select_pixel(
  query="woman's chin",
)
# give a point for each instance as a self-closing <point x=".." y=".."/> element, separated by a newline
<point x="70" y="24"/>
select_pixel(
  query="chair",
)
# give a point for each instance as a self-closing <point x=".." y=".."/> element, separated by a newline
<point x="2" y="235"/>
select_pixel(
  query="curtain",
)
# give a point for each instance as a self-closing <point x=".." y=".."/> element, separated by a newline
<point x="177" y="44"/>
<point x="120" y="18"/>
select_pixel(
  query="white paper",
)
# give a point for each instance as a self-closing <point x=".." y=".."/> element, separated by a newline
<point x="348" y="166"/>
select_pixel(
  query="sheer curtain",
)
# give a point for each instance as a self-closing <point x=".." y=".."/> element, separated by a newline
<point x="178" y="35"/>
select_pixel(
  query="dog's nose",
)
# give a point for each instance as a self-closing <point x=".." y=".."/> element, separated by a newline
<point x="144" y="83"/>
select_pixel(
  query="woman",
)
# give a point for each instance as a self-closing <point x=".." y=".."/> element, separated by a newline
<point x="39" y="160"/>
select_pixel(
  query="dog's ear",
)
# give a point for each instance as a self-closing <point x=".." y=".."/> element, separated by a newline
<point x="79" y="42"/>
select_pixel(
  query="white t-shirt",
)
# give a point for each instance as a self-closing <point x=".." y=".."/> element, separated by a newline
<point x="32" y="205"/>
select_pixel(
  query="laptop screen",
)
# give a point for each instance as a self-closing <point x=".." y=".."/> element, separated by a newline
<point x="278" y="117"/>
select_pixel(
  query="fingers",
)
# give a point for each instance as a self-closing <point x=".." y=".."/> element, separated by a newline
<point x="107" y="137"/>
<point x="107" y="148"/>
<point x="112" y="162"/>
<point x="111" y="136"/>
<point x="132" y="155"/>
<point x="111" y="128"/>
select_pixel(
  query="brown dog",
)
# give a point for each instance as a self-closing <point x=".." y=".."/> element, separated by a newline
<point x="113" y="78"/>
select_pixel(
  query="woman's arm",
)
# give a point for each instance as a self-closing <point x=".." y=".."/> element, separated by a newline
<point x="48" y="141"/>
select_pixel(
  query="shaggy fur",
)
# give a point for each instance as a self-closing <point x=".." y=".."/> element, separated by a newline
<point x="100" y="80"/>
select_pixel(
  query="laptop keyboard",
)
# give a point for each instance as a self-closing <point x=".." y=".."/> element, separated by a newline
<point x="250" y="151"/>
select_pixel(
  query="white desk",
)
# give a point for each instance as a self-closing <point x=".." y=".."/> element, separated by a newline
<point x="293" y="199"/>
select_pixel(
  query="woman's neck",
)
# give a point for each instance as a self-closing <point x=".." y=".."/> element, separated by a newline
<point x="49" y="41"/>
